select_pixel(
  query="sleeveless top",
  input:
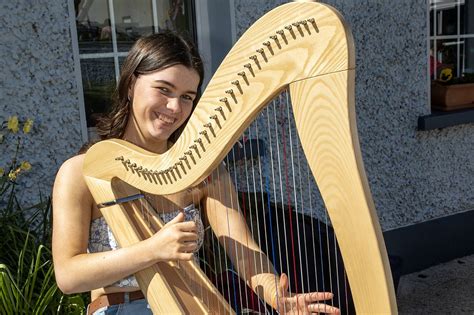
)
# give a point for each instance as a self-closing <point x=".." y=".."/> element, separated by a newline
<point x="101" y="238"/>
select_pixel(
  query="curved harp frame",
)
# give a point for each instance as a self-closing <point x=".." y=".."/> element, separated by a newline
<point x="308" y="47"/>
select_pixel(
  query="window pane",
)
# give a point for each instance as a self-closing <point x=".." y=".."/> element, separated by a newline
<point x="446" y="56"/>
<point x="98" y="80"/>
<point x="176" y="15"/>
<point x="131" y="22"/>
<point x="446" y="19"/>
<point x="136" y="21"/>
<point x="469" y="55"/>
<point x="93" y="26"/>
<point x="467" y="17"/>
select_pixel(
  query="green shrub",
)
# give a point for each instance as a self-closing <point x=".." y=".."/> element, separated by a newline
<point x="27" y="282"/>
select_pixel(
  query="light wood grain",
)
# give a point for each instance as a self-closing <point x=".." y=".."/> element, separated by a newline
<point x="325" y="118"/>
<point x="314" y="58"/>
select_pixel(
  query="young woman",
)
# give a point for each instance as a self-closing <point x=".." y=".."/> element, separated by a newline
<point x="155" y="96"/>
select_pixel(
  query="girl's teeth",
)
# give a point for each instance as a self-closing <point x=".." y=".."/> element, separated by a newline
<point x="166" y="119"/>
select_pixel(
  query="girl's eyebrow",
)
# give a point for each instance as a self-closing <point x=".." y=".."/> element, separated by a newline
<point x="174" y="87"/>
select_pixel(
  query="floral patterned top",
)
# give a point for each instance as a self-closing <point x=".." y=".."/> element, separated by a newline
<point x="101" y="238"/>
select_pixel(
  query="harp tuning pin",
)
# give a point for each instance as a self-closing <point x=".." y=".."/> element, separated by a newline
<point x="193" y="146"/>
<point x="288" y="27"/>
<point x="311" y="20"/>
<point x="134" y="165"/>
<point x="235" y="82"/>
<point x="229" y="91"/>
<point x="274" y="37"/>
<point x="120" y="158"/>
<point x="127" y="161"/>
<point x="204" y="132"/>
<point x="267" y="43"/>
<point x="248" y="65"/>
<point x="184" y="158"/>
<point x="179" y="163"/>
<point x="208" y="125"/>
<point x="139" y="168"/>
<point x="241" y="73"/>
<point x="213" y="117"/>
<point x="304" y="22"/>
<point x="253" y="57"/>
<point x="175" y="167"/>
<point x="188" y="152"/>
<point x="223" y="99"/>
<point x="199" y="140"/>
<point x="260" y="50"/>
<point x="218" y="109"/>
<point x="280" y="32"/>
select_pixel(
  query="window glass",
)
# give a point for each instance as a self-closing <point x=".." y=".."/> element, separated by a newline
<point x="98" y="82"/>
<point x="451" y="34"/>
<point x="93" y="27"/>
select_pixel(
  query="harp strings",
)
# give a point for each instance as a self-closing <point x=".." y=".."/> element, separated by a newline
<point x="276" y="176"/>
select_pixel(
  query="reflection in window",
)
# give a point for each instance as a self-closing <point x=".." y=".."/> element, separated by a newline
<point x="451" y="38"/>
<point x="106" y="29"/>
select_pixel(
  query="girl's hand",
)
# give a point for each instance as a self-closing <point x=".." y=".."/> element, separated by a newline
<point x="304" y="303"/>
<point x="176" y="240"/>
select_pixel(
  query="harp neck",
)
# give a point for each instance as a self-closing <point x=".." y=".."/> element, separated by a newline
<point x="290" y="43"/>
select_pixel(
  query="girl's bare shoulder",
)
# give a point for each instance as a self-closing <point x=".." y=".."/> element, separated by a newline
<point x="71" y="167"/>
<point x="70" y="181"/>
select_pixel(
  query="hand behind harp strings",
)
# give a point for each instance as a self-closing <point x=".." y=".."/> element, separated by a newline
<point x="302" y="303"/>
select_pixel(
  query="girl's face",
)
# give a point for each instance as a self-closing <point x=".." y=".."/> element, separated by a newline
<point x="162" y="101"/>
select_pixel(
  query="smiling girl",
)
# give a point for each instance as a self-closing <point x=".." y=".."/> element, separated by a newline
<point x="155" y="96"/>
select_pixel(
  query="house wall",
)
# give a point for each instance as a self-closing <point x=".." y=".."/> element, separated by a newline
<point x="414" y="175"/>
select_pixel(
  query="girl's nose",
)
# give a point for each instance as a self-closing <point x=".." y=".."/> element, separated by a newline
<point x="174" y="104"/>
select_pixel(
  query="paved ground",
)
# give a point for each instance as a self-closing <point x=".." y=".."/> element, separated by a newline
<point x="443" y="289"/>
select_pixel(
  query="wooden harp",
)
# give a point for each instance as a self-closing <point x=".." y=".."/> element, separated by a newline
<point x="307" y="47"/>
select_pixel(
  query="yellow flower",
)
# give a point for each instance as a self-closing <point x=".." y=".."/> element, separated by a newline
<point x="25" y="165"/>
<point x="13" y="174"/>
<point x="13" y="124"/>
<point x="28" y="125"/>
<point x="446" y="74"/>
<point x="2" y="171"/>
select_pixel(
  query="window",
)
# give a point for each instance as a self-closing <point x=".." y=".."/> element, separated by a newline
<point x="106" y="29"/>
<point x="451" y="64"/>
<point x="451" y="38"/>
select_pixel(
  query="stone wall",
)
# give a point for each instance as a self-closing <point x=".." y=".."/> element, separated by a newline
<point x="37" y="81"/>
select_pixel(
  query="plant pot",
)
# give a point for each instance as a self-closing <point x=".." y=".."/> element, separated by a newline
<point x="452" y="97"/>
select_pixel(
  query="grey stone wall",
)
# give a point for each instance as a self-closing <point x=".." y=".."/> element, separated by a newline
<point x="414" y="175"/>
<point x="37" y="81"/>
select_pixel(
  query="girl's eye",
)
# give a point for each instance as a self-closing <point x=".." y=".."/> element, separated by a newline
<point x="163" y="89"/>
<point x="187" y="98"/>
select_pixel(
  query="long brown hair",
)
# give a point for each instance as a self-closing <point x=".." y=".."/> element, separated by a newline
<point x="148" y="54"/>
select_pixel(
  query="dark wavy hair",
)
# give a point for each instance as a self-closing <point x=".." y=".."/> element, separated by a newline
<point x="148" y="54"/>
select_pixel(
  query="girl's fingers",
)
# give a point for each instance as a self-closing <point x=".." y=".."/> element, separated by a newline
<point x="189" y="226"/>
<point x="189" y="236"/>
<point x="323" y="308"/>
<point x="185" y="256"/>
<point x="315" y="296"/>
<point x="188" y="247"/>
